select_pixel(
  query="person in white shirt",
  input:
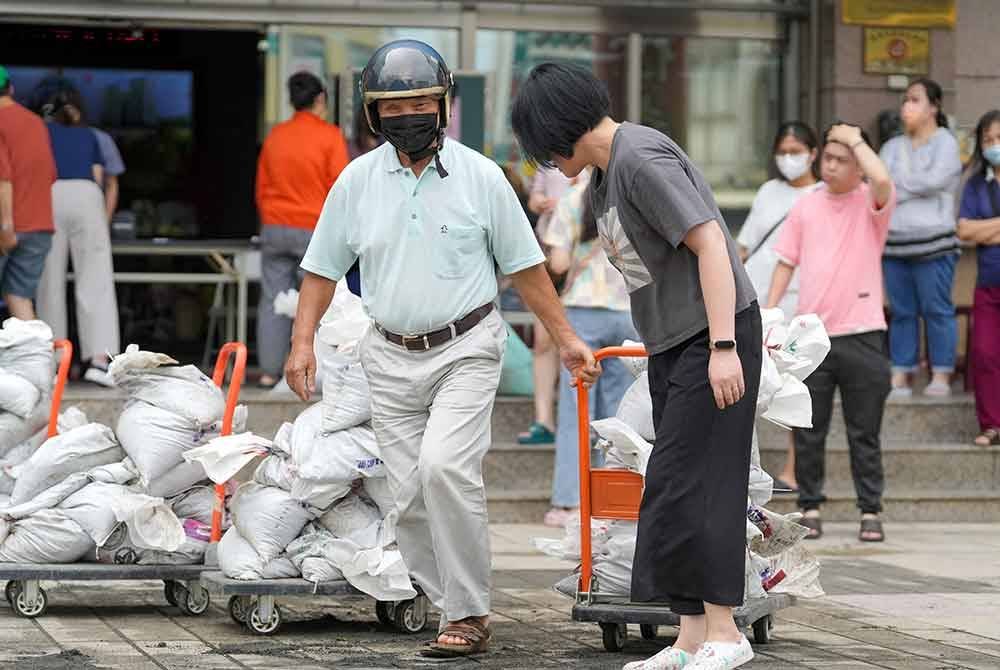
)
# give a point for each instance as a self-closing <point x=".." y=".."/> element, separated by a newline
<point x="794" y="162"/>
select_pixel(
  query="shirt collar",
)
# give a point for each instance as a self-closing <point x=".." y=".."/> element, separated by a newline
<point x="306" y="115"/>
<point x="392" y="164"/>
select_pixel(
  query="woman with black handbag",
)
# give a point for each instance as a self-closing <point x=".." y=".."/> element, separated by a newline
<point x="794" y="164"/>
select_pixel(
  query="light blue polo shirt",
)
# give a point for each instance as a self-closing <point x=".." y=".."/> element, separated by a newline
<point x="426" y="245"/>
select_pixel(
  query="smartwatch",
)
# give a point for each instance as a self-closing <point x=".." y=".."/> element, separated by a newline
<point x="722" y="345"/>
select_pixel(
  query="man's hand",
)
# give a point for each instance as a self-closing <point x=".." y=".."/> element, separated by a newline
<point x="725" y="374"/>
<point x="579" y="360"/>
<point x="8" y="240"/>
<point x="300" y="370"/>
<point x="846" y="134"/>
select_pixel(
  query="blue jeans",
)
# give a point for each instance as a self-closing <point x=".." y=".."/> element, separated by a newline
<point x="921" y="289"/>
<point x="598" y="328"/>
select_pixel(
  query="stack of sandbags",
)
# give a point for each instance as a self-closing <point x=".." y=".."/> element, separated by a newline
<point x="68" y="420"/>
<point x="776" y="561"/>
<point x="170" y="409"/>
<point x="27" y="370"/>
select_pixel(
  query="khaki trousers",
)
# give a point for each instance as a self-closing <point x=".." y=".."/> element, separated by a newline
<point x="431" y="412"/>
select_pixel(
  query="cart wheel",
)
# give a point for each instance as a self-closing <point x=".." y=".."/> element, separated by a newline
<point x="33" y="610"/>
<point x="649" y="631"/>
<point x="10" y="591"/>
<point x="259" y="627"/>
<point x="385" y="613"/>
<point x="762" y="629"/>
<point x="410" y="616"/>
<point x="192" y="602"/>
<point x="614" y="636"/>
<point x="168" y="591"/>
<point x="239" y="606"/>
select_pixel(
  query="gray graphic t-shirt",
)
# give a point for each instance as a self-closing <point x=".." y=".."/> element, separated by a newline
<point x="651" y="196"/>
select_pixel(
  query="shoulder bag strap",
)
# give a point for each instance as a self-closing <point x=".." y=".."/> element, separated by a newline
<point x="766" y="237"/>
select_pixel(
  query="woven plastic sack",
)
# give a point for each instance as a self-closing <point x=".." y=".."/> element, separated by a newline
<point x="17" y="395"/>
<point x="268" y="518"/>
<point x="636" y="408"/>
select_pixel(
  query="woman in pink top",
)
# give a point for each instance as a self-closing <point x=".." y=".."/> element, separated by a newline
<point x="835" y="236"/>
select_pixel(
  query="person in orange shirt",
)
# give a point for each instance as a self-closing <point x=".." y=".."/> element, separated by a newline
<point x="299" y="162"/>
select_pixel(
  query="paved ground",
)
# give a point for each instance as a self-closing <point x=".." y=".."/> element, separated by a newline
<point x="929" y="599"/>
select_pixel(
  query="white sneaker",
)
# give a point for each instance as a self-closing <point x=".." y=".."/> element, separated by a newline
<point x="98" y="376"/>
<point x="722" y="655"/>
<point x="666" y="659"/>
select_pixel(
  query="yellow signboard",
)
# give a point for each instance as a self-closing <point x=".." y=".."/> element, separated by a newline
<point x="905" y="13"/>
<point x="897" y="51"/>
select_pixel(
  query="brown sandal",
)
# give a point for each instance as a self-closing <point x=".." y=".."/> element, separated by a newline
<point x="988" y="438"/>
<point x="874" y="528"/>
<point x="471" y="630"/>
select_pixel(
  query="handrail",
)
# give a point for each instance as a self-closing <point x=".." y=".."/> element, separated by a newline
<point x="583" y="428"/>
<point x="232" y="397"/>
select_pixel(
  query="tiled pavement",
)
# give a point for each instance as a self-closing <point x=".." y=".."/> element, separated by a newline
<point x="928" y="599"/>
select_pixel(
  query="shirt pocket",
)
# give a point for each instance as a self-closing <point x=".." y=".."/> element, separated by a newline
<point x="457" y="249"/>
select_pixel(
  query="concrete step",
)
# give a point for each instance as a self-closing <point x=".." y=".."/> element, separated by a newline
<point x="917" y="466"/>
<point x="901" y="505"/>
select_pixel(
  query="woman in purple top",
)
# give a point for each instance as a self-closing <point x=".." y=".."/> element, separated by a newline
<point x="979" y="222"/>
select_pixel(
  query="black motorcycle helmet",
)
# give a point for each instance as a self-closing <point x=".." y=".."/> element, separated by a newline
<point x="405" y="69"/>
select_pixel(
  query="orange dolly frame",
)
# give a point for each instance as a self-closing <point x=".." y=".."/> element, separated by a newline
<point x="181" y="583"/>
<point x="616" y="494"/>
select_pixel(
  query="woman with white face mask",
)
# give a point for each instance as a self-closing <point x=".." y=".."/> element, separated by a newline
<point x="795" y="150"/>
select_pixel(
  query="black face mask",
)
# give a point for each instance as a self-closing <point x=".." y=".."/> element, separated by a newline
<point x="413" y="134"/>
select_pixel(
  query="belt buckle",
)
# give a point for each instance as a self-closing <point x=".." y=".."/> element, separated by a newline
<point x="415" y="338"/>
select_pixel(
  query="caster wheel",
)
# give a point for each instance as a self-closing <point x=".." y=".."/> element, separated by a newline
<point x="168" y="591"/>
<point x="614" y="636"/>
<point x="258" y="626"/>
<point x="649" y="631"/>
<point x="385" y="612"/>
<point x="239" y="607"/>
<point x="762" y="629"/>
<point x="32" y="610"/>
<point x="10" y="592"/>
<point x="410" y="616"/>
<point x="192" y="602"/>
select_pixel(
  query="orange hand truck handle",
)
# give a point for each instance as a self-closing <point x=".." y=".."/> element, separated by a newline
<point x="65" y="349"/>
<point x="583" y="426"/>
<point x="232" y="397"/>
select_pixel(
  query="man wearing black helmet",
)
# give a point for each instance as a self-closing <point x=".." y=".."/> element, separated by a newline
<point x="428" y="219"/>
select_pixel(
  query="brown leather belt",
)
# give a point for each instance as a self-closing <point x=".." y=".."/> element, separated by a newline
<point x="438" y="337"/>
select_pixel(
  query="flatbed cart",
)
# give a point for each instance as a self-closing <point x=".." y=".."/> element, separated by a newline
<point x="252" y="602"/>
<point x="616" y="494"/>
<point x="181" y="583"/>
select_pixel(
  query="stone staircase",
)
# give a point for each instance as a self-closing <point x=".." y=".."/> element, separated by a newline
<point x="933" y="472"/>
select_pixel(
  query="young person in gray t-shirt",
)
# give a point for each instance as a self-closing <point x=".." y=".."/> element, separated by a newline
<point x="696" y="311"/>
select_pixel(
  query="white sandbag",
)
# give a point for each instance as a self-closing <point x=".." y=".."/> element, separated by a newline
<point x="91" y="507"/>
<point x="308" y="554"/>
<point x="268" y="518"/>
<point x="49" y="498"/>
<point x="178" y="479"/>
<point x="347" y="398"/>
<point x="17" y="395"/>
<point x="223" y="457"/>
<point x="801" y="573"/>
<point x="26" y="349"/>
<point x="345" y="321"/>
<point x="190" y="552"/>
<point x="613" y="566"/>
<point x="238" y="560"/>
<point x="150" y="521"/>
<point x="14" y="430"/>
<point x="183" y="390"/>
<point x="377" y="490"/>
<point x="636" y="408"/>
<point x="275" y="471"/>
<point x="806" y="345"/>
<point x="791" y="406"/>
<point x="350" y="515"/>
<point x="194" y="503"/>
<point x="770" y="383"/>
<point x="68" y="420"/>
<point x="155" y="438"/>
<point x="757" y="569"/>
<point x="286" y="303"/>
<point x="567" y="547"/>
<point x="779" y="532"/>
<point x="625" y="443"/>
<point x="635" y="364"/>
<point x="48" y="536"/>
<point x="75" y="451"/>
